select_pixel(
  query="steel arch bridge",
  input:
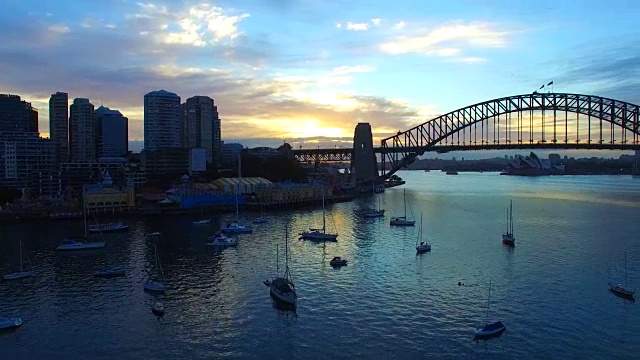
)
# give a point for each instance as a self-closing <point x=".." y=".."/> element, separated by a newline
<point x="521" y="121"/>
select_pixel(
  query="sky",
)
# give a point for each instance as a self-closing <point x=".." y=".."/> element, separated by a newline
<point x="308" y="71"/>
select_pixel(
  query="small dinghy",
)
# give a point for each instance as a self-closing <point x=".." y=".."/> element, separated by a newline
<point x="202" y="222"/>
<point x="154" y="234"/>
<point x="267" y="282"/>
<point x="157" y="308"/>
<point x="259" y="221"/>
<point x="109" y="273"/>
<point x="10" y="322"/>
<point x="338" y="261"/>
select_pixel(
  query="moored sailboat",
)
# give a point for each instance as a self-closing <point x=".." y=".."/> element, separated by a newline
<point x="402" y="220"/>
<point x="235" y="227"/>
<point x="319" y="234"/>
<point x="490" y="329"/>
<point x="508" y="237"/>
<point x="153" y="284"/>
<point x="422" y="246"/>
<point x="375" y="212"/>
<point x="20" y="274"/>
<point x="282" y="288"/>
<point x="618" y="289"/>
<point x="81" y="243"/>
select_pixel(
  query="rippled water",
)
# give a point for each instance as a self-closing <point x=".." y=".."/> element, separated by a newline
<point x="550" y="291"/>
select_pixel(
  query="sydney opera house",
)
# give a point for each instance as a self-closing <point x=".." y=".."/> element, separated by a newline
<point x="532" y="165"/>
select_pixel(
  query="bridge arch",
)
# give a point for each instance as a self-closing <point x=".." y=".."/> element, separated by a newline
<point x="481" y="123"/>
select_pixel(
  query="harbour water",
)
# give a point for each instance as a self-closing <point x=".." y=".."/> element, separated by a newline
<point x="550" y="290"/>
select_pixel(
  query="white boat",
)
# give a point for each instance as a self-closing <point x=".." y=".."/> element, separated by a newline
<point x="202" y="222"/>
<point x="20" y="274"/>
<point x="618" y="289"/>
<point x="10" y="322"/>
<point x="108" y="227"/>
<point x="423" y="246"/>
<point x="490" y="329"/>
<point x="375" y="212"/>
<point x="157" y="308"/>
<point x="78" y="244"/>
<point x="155" y="285"/>
<point x="283" y="289"/>
<point x="236" y="227"/>
<point x="154" y="234"/>
<point x="402" y="220"/>
<point x="319" y="234"/>
<point x="508" y="237"/>
<point x="259" y="221"/>
<point x="220" y="240"/>
<point x="337" y="261"/>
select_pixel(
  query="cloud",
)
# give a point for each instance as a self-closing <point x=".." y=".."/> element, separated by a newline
<point x="447" y="40"/>
<point x="357" y="26"/>
<point x="352" y="69"/>
<point x="471" y="60"/>
<point x="59" y="29"/>
<point x="198" y="25"/>
<point x="376" y="21"/>
<point x="399" y="25"/>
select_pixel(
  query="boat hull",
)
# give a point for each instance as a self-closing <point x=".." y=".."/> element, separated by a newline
<point x="621" y="291"/>
<point x="80" y="247"/>
<point x="282" y="298"/>
<point x="319" y="236"/>
<point x="490" y="330"/>
<point x="402" y="223"/>
<point x="18" y="275"/>
<point x="374" y="214"/>
<point x="422" y="249"/>
<point x="10" y="323"/>
<point x="119" y="228"/>
<point x="154" y="286"/>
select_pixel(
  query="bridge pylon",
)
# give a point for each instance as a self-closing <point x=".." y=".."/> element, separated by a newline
<point x="363" y="159"/>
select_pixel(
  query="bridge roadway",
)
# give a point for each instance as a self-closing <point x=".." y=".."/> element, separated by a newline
<point x="345" y="154"/>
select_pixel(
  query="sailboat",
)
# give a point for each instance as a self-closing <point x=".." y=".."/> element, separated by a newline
<point x="620" y="290"/>
<point x="10" y="322"/>
<point x="376" y="212"/>
<point x="202" y="221"/>
<point x="20" y="274"/>
<point x="319" y="234"/>
<point x="423" y="246"/>
<point x="71" y="244"/>
<point x="492" y="329"/>
<point x="152" y="284"/>
<point x="283" y="289"/>
<point x="508" y="238"/>
<point x="235" y="227"/>
<point x="221" y="240"/>
<point x="402" y="220"/>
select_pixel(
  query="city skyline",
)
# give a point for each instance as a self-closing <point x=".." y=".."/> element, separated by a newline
<point x="392" y="66"/>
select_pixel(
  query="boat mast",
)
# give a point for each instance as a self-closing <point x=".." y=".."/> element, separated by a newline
<point x="237" y="187"/>
<point x="324" y="222"/>
<point x="404" y="199"/>
<point x="420" y="230"/>
<point x="277" y="259"/>
<point x="488" y="301"/>
<point x="21" y="256"/>
<point x="625" y="269"/>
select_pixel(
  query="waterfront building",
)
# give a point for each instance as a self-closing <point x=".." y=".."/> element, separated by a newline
<point x="112" y="133"/>
<point x="290" y="193"/>
<point x="82" y="131"/>
<point x="28" y="162"/>
<point x="162" y="123"/>
<point x="189" y="195"/>
<point x="197" y="160"/>
<point x="533" y="165"/>
<point x="104" y="197"/>
<point x="59" y="125"/>
<point x="17" y="115"/>
<point x="246" y="185"/>
<point x="201" y="126"/>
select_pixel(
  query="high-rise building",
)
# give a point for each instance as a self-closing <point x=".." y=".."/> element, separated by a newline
<point x="17" y="115"/>
<point x="27" y="162"/>
<point x="59" y="125"/>
<point x="112" y="133"/>
<point x="82" y="131"/>
<point x="162" y="122"/>
<point x="201" y="126"/>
